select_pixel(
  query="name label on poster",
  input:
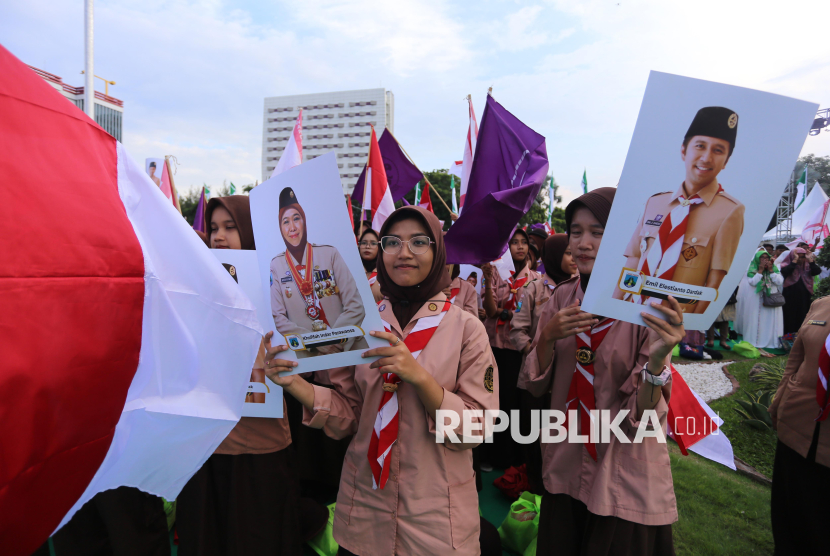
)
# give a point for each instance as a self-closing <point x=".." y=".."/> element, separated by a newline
<point x="300" y="342"/>
<point x="635" y="282"/>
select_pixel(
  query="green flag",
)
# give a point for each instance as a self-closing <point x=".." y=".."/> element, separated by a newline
<point x="207" y="190"/>
<point x="417" y="194"/>
<point x="801" y="188"/>
<point x="233" y="189"/>
<point x="585" y="181"/>
<point x="452" y="194"/>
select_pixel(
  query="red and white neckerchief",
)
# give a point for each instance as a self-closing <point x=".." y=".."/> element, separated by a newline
<point x="661" y="259"/>
<point x="822" y="391"/>
<point x="385" y="432"/>
<point x="454" y="294"/>
<point x="581" y="392"/>
<point x="373" y="277"/>
<point x="515" y="285"/>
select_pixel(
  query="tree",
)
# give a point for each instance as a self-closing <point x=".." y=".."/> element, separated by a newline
<point x="189" y="202"/>
<point x="818" y="170"/>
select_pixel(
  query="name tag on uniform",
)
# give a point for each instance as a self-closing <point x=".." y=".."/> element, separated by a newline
<point x="286" y="279"/>
<point x="817" y="322"/>
<point x="658" y="221"/>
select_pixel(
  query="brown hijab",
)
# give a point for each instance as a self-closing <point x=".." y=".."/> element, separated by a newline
<point x="406" y="301"/>
<point x="298" y="251"/>
<point x="599" y="202"/>
<point x="239" y="207"/>
<point x="555" y="247"/>
<point x="369" y="264"/>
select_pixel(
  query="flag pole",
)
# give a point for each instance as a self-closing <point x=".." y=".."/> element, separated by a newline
<point x="432" y="187"/>
<point x="366" y="176"/>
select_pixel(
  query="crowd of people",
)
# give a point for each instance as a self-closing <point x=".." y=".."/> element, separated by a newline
<point x="480" y="343"/>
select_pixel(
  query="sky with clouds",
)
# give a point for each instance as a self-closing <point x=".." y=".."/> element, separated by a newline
<point x="193" y="73"/>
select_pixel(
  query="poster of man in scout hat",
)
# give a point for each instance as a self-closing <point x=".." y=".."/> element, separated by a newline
<point x="308" y="260"/>
<point x="705" y="168"/>
<point x="690" y="235"/>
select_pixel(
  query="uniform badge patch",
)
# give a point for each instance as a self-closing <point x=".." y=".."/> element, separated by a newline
<point x="286" y="279"/>
<point x="432" y="307"/>
<point x="689" y="253"/>
<point x="658" y="221"/>
<point x="488" y="379"/>
<point x="817" y="322"/>
<point x="733" y="121"/>
<point x="382" y="307"/>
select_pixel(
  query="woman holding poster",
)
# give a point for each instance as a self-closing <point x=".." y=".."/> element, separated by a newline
<point x="600" y="497"/>
<point x="402" y="492"/>
<point x="231" y="504"/>
<point x="312" y="289"/>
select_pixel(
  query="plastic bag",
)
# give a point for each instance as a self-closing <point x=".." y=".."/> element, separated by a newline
<point x="746" y="350"/>
<point x="324" y="543"/>
<point x="519" y="528"/>
<point x="531" y="548"/>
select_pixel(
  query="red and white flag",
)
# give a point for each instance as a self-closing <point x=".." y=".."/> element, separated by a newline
<point x="816" y="230"/>
<point x="377" y="196"/>
<point x="168" y="187"/>
<point x="127" y="349"/>
<point x="469" y="152"/>
<point x="425" y="202"/>
<point x="293" y="153"/>
<point x="694" y="426"/>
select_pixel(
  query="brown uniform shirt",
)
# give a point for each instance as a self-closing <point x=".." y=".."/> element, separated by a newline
<point x="466" y="298"/>
<point x="429" y="504"/>
<point x="795" y="408"/>
<point x="629" y="481"/>
<point x="713" y="231"/>
<point x="526" y="317"/>
<point x="257" y="435"/>
<point x="341" y="301"/>
<point x="500" y="334"/>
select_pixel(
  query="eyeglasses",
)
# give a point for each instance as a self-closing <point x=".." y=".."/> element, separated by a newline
<point x="418" y="245"/>
<point x="368" y="244"/>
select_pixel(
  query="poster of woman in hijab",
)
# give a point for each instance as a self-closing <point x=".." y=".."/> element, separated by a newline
<point x="706" y="166"/>
<point x="309" y="262"/>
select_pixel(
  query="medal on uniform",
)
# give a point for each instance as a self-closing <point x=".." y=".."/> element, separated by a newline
<point x="288" y="293"/>
<point x="313" y="312"/>
<point x="585" y="356"/>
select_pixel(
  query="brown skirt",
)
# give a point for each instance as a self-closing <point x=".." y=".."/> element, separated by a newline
<point x="567" y="528"/>
<point x="246" y="504"/>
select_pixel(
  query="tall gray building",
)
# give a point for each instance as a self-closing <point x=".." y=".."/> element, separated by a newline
<point x="338" y="121"/>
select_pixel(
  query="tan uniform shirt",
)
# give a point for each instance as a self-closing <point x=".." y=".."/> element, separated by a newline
<point x="629" y="481"/>
<point x="526" y="317"/>
<point x="795" y="408"/>
<point x="257" y="435"/>
<point x="340" y="301"/>
<point x="500" y="334"/>
<point x="466" y="298"/>
<point x="712" y="234"/>
<point x="430" y="504"/>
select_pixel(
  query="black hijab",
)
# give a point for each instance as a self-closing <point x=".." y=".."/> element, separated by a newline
<point x="555" y="247"/>
<point x="370" y="264"/>
<point x="407" y="300"/>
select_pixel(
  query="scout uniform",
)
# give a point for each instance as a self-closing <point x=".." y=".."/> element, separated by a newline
<point x="714" y="221"/>
<point x="627" y="481"/>
<point x="526" y="317"/>
<point x="327" y="299"/>
<point x="429" y="504"/>
<point x="463" y="294"/>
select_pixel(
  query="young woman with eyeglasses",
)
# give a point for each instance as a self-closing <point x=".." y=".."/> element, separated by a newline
<point x="401" y="492"/>
<point x="369" y="247"/>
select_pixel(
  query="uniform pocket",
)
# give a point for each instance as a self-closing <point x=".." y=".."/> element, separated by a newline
<point x="464" y="520"/>
<point x="695" y="249"/>
<point x="641" y="484"/>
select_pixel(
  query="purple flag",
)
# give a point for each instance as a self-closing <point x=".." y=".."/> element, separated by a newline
<point x="509" y="167"/>
<point x="401" y="174"/>
<point x="199" y="219"/>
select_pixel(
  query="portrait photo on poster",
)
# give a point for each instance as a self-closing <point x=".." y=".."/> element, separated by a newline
<point x="320" y="300"/>
<point x="705" y="169"/>
<point x="264" y="397"/>
<point x="153" y="167"/>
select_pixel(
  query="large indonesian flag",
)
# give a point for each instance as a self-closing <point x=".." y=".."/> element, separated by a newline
<point x="376" y="194"/>
<point x="293" y="153"/>
<point x="469" y="152"/>
<point x="126" y="349"/>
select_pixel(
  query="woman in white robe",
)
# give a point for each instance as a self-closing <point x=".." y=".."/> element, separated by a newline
<point x="762" y="326"/>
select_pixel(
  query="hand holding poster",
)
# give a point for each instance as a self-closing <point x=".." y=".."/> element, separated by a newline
<point x="264" y="397"/>
<point x="320" y="301"/>
<point x="706" y="166"/>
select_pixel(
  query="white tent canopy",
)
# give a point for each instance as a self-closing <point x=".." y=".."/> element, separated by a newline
<point x="802" y="214"/>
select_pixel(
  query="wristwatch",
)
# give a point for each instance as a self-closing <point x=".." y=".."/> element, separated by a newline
<point x="656" y="380"/>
